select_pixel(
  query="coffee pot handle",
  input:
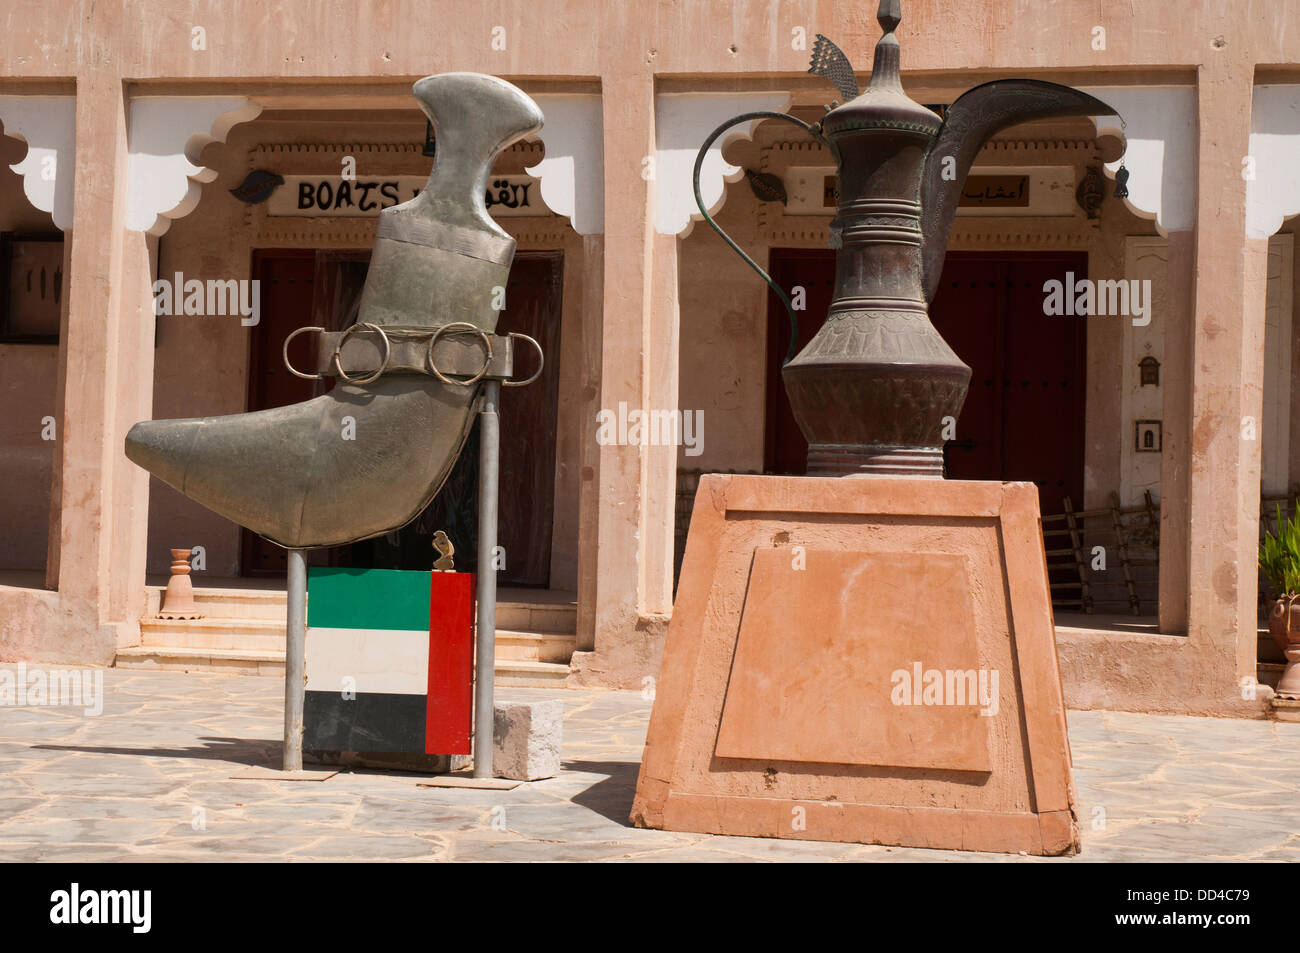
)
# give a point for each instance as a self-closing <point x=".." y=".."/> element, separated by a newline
<point x="699" y="201"/>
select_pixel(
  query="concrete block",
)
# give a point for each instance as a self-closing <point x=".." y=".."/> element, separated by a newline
<point x="527" y="737"/>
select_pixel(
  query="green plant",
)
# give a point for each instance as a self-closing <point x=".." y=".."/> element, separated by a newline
<point x="1279" y="555"/>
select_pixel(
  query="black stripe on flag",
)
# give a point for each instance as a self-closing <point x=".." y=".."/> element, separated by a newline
<point x="367" y="722"/>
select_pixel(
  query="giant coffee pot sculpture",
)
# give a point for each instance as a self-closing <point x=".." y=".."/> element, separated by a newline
<point x="872" y="389"/>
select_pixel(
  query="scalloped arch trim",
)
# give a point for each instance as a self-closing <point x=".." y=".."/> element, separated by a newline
<point x="167" y="135"/>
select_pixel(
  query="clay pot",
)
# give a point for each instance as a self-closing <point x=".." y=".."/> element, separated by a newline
<point x="178" y="599"/>
<point x="1284" y="627"/>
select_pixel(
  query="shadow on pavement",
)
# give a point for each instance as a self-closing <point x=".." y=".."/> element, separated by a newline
<point x="612" y="797"/>
<point x="240" y="751"/>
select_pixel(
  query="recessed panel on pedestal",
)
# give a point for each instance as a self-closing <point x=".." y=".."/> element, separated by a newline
<point x="857" y="658"/>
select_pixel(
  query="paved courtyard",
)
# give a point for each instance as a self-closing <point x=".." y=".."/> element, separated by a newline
<point x="149" y="779"/>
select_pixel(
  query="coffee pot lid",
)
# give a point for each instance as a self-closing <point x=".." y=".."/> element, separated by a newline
<point x="883" y="104"/>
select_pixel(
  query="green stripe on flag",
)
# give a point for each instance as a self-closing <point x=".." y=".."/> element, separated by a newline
<point x="367" y="598"/>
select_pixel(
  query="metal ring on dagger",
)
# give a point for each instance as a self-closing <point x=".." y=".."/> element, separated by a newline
<point x="293" y="370"/>
<point x="541" y="361"/>
<point x="462" y="327"/>
<point x="383" y="366"/>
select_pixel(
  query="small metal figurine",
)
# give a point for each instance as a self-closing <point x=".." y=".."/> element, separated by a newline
<point x="445" y="550"/>
<point x="873" y="389"/>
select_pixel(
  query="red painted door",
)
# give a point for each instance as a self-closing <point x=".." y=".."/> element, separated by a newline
<point x="1024" y="413"/>
<point x="812" y="272"/>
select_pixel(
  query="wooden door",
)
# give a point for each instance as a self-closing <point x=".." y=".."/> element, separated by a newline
<point x="1024" y="413"/>
<point x="785" y="450"/>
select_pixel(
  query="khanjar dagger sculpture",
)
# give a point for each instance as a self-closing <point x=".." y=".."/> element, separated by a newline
<point x="409" y="373"/>
<point x="286" y="473"/>
<point x="872" y="389"/>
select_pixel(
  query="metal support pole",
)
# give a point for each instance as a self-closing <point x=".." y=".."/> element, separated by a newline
<point x="295" y="646"/>
<point x="489" y="436"/>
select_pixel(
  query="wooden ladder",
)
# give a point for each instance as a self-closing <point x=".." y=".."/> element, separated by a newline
<point x="1075" y="553"/>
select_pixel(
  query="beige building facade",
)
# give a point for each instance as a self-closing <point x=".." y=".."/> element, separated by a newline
<point x="249" y="142"/>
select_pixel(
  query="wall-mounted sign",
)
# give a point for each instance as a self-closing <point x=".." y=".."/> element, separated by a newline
<point x="331" y="196"/>
<point x="988" y="191"/>
<point x="994" y="191"/>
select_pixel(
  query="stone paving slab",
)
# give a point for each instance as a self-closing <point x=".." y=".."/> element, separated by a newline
<point x="149" y="779"/>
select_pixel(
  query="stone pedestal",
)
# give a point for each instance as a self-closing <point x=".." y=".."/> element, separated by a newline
<point x="862" y="660"/>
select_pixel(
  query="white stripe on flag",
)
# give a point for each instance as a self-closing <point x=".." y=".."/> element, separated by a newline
<point x="383" y="661"/>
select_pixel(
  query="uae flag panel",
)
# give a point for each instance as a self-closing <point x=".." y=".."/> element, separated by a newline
<point x="389" y="661"/>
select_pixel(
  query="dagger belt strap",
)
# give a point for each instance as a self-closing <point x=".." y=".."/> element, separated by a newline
<point x="458" y="353"/>
<point x="471" y="242"/>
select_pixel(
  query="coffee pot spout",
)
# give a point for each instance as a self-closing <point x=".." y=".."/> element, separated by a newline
<point x="977" y="116"/>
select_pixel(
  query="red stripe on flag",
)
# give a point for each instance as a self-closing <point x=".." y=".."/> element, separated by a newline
<point x="451" y="663"/>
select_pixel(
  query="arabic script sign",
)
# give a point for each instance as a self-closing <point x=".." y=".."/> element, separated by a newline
<point x="995" y="191"/>
<point x="988" y="191"/>
<point x="331" y="196"/>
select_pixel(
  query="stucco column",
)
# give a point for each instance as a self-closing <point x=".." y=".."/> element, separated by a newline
<point x="593" y="293"/>
<point x="54" y="533"/>
<point x="658" y="516"/>
<point x="619" y="640"/>
<point x="100" y="542"/>
<point x="1227" y="402"/>
<point x="1175" y="459"/>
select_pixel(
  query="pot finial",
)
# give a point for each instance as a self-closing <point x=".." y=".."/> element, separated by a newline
<point x="890" y="15"/>
<point x="884" y="68"/>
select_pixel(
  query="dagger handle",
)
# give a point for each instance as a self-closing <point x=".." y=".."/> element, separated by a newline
<point x="474" y="118"/>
